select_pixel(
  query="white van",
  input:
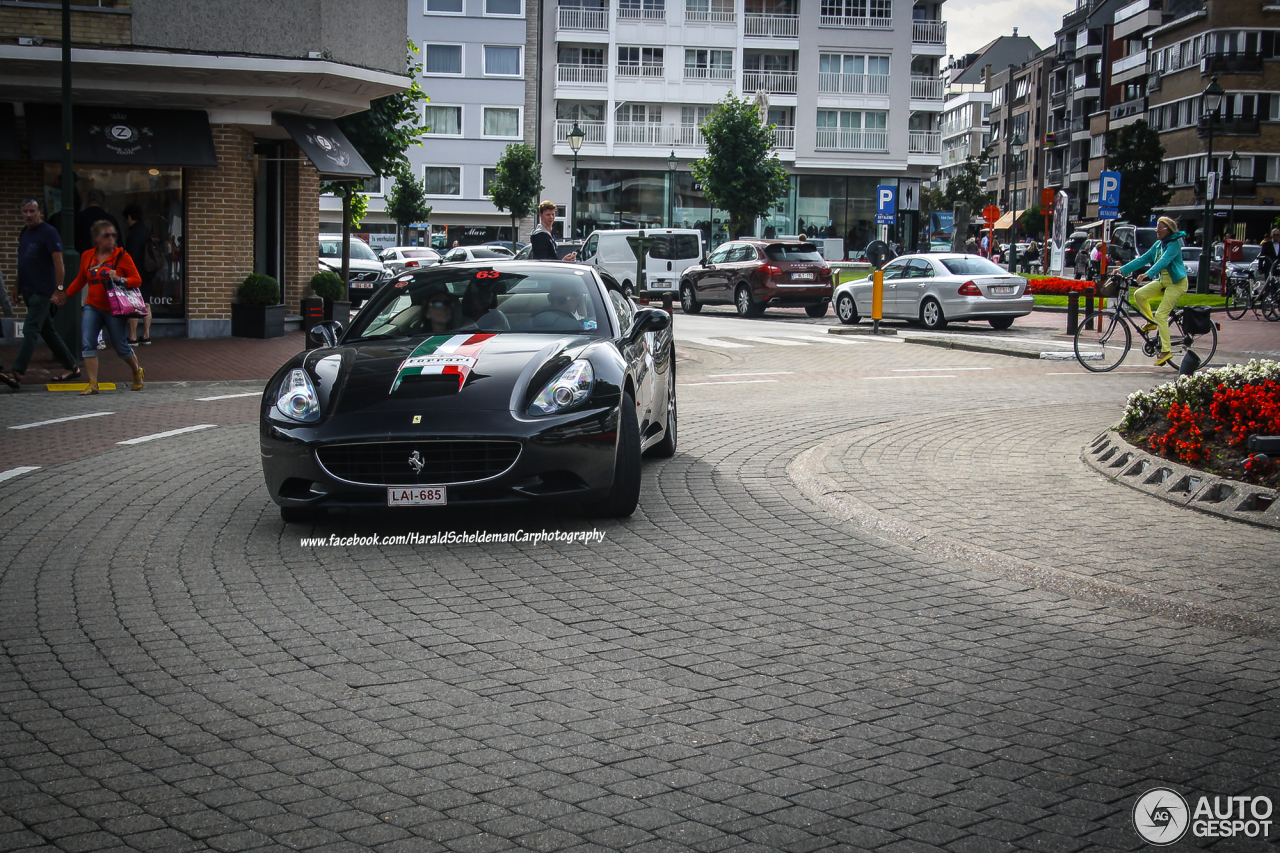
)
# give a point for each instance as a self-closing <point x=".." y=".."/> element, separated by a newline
<point x="667" y="253"/>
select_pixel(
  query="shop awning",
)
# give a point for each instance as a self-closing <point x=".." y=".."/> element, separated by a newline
<point x="8" y="133"/>
<point x="1089" y="226"/>
<point x="123" y="136"/>
<point x="325" y="146"/>
<point x="1005" y="222"/>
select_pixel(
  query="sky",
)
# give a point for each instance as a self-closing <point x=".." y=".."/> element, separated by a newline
<point x="973" y="23"/>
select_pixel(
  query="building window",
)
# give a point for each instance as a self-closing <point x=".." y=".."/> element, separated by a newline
<point x="853" y="74"/>
<point x="442" y="59"/>
<point x="502" y="121"/>
<point x="717" y="11"/>
<point x="509" y="8"/>
<point x="640" y="61"/>
<point x="857" y="13"/>
<point x="501" y="61"/>
<point x="444" y="7"/>
<point x="652" y="10"/>
<point x="443" y="180"/>
<point x="708" y="64"/>
<point x="852" y="130"/>
<point x="442" y="120"/>
<point x="490" y="175"/>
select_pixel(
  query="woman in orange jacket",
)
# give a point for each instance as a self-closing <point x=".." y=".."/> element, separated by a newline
<point x="105" y="265"/>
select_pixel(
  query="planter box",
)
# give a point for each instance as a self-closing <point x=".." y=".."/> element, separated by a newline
<point x="257" y="321"/>
<point x="341" y="311"/>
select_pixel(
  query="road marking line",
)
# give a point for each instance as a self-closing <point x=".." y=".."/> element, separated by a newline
<point x="712" y="342"/>
<point x="939" y="376"/>
<point x="61" y="420"/>
<point x="228" y="397"/>
<point x="782" y="342"/>
<point x="167" y="434"/>
<point x="770" y="373"/>
<point x="927" y="369"/>
<point x="730" y="382"/>
<point x="17" y="472"/>
<point x="831" y="339"/>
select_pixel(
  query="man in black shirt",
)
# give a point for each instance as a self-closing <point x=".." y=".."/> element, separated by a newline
<point x="135" y="243"/>
<point x="544" y="245"/>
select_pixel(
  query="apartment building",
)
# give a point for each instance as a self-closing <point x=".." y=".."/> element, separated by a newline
<point x="1238" y="44"/>
<point x="1019" y="112"/>
<point x="852" y="87"/>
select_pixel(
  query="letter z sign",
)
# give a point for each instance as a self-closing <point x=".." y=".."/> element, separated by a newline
<point x="886" y="205"/>
<point x="1109" y="195"/>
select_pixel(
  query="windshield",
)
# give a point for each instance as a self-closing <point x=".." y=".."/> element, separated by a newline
<point x="1191" y="253"/>
<point x="332" y="248"/>
<point x="1146" y="238"/>
<point x="518" y="298"/>
<point x="779" y="252"/>
<point x="971" y="266"/>
<point x="1250" y="253"/>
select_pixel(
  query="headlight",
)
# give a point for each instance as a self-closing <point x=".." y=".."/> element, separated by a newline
<point x="297" y="400"/>
<point x="567" y="390"/>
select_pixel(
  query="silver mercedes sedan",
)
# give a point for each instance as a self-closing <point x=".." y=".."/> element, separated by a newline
<point x="938" y="289"/>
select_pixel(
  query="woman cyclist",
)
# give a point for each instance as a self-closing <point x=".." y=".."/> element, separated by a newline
<point x="1168" y="281"/>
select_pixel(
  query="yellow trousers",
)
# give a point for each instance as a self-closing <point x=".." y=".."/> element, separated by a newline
<point x="1172" y="291"/>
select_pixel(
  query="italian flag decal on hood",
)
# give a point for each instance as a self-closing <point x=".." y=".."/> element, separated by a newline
<point x="452" y="355"/>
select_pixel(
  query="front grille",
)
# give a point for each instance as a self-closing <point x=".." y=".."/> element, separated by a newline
<point x="365" y="276"/>
<point x="444" y="462"/>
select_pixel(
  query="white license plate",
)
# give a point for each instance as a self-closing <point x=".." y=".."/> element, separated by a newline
<point x="417" y="496"/>
<point x="1001" y="289"/>
<point x="802" y="276"/>
<point x="368" y="285"/>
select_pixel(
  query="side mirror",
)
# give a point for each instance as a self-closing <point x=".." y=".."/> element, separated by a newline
<point x="647" y="320"/>
<point x="704" y="260"/>
<point x="327" y="333"/>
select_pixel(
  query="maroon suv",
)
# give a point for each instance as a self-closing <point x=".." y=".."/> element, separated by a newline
<point x="754" y="274"/>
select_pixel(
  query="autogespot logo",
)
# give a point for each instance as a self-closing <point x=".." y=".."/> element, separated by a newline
<point x="1160" y="816"/>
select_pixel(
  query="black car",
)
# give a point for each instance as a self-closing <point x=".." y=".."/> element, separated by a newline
<point x="477" y="383"/>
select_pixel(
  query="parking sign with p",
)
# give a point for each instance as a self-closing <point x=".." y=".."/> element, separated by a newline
<point x="1109" y="195"/>
<point x="886" y="205"/>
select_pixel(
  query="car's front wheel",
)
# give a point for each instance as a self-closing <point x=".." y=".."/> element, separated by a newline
<point x="846" y="310"/>
<point x="931" y="316"/>
<point x="745" y="305"/>
<point x="688" y="300"/>
<point x="625" y="495"/>
<point x="816" y="311"/>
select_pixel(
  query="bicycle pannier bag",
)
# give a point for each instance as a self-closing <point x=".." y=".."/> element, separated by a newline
<point x="1197" y="320"/>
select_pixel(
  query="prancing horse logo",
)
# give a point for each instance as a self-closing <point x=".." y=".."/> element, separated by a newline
<point x="416" y="463"/>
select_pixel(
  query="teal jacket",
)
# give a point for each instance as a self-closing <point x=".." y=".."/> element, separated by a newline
<point x="1165" y="254"/>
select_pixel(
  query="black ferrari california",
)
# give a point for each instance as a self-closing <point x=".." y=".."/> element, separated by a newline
<point x="494" y="383"/>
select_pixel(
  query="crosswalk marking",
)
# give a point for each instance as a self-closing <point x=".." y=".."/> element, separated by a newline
<point x="61" y="420"/>
<point x="782" y="342"/>
<point x="17" y="472"/>
<point x="165" y="434"/>
<point x="713" y="342"/>
<point x="735" y="341"/>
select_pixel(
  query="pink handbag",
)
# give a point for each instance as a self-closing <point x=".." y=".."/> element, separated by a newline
<point x="126" y="302"/>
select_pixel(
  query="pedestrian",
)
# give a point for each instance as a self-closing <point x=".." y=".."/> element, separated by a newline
<point x="985" y="246"/>
<point x="103" y="266"/>
<point x="544" y="245"/>
<point x="1270" y="253"/>
<point x="40" y="274"/>
<point x="95" y="212"/>
<point x="971" y="245"/>
<point x="136" y="243"/>
<point x="1168" y="281"/>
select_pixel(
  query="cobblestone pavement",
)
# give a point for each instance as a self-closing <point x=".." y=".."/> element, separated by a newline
<point x="734" y="668"/>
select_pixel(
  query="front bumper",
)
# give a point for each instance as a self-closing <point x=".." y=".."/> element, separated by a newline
<point x="564" y="458"/>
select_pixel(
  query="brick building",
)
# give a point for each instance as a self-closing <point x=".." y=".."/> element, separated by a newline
<point x="184" y="116"/>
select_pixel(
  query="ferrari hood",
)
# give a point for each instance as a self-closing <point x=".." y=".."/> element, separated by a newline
<point x="443" y="372"/>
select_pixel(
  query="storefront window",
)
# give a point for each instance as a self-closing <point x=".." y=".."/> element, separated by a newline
<point x="154" y="193"/>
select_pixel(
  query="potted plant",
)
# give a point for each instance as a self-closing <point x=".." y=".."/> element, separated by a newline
<point x="258" y="312"/>
<point x="328" y="286"/>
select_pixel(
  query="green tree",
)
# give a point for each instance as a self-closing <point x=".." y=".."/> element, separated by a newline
<point x="406" y="203"/>
<point x="1136" y="153"/>
<point x="1031" y="222"/>
<point x="518" y="182"/>
<point x="740" y="175"/>
<point x="969" y="185"/>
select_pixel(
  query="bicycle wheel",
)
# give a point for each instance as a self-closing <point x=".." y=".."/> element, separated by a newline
<point x="1204" y="346"/>
<point x="1239" y="299"/>
<point x="1271" y="300"/>
<point x="1102" y="341"/>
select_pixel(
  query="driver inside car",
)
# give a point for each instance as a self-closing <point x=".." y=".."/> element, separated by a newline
<point x="565" y="299"/>
<point x="480" y="309"/>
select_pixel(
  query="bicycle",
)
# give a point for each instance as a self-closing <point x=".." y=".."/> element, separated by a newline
<point x="1239" y="296"/>
<point x="1104" y="337"/>
<point x="1266" y="294"/>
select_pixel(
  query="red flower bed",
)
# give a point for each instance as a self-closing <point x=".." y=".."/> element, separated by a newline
<point x="1051" y="285"/>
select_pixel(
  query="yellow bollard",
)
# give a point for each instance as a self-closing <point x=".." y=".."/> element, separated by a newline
<point x="877" y="300"/>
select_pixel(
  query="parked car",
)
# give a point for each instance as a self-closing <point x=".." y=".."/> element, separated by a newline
<point x="512" y="247"/>
<point x="366" y="272"/>
<point x="1130" y="241"/>
<point x="400" y="258"/>
<point x="550" y="394"/>
<point x="464" y="254"/>
<point x="1244" y="268"/>
<point x="667" y="253"/>
<point x="936" y="289"/>
<point x="1191" y="259"/>
<point x="563" y="247"/>
<point x="757" y="273"/>
<point x="1074" y="242"/>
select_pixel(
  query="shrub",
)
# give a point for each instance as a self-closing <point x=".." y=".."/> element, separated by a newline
<point x="1195" y="391"/>
<point x="259" y="289"/>
<point x="1053" y="286"/>
<point x="328" y="286"/>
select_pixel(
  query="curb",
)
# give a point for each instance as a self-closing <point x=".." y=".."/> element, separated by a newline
<point x="1121" y="462"/>
<point x="860" y="330"/>
<point x="968" y="347"/>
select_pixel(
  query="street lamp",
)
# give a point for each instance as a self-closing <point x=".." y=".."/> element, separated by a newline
<point x="1234" y="162"/>
<point x="576" y="135"/>
<point x="672" y="162"/>
<point x="1015" y="148"/>
<point x="1212" y="103"/>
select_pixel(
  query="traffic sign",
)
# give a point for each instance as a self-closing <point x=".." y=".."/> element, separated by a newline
<point x="1046" y="198"/>
<point x="991" y="214"/>
<point x="886" y="205"/>
<point x="1108" y="213"/>
<point x="1109" y="189"/>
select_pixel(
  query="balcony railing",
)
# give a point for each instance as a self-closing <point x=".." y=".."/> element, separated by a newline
<point x="761" y="25"/>
<point x="702" y="72"/>
<point x="714" y="16"/>
<point x="1128" y="108"/>
<point x="632" y="13"/>
<point x="1055" y="176"/>
<point x="928" y="32"/>
<point x="857" y="23"/>
<point x="582" y="75"/>
<point x="649" y="71"/>
<point x="1133" y="60"/>
<point x="1058" y="98"/>
<point x="784" y="138"/>
<point x="1229" y="127"/>
<point x="834" y="139"/>
<point x="1231" y="63"/>
<point x="924" y="142"/>
<point x="594" y="131"/>
<point x="1244" y="187"/>
<point x="571" y="18"/>
<point x="837" y="83"/>
<point x="774" y="82"/>
<point x="926" y="89"/>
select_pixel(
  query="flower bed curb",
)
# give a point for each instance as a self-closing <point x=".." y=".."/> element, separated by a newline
<point x="1121" y="462"/>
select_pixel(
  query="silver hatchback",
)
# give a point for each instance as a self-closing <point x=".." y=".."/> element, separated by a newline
<point x="937" y="289"/>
